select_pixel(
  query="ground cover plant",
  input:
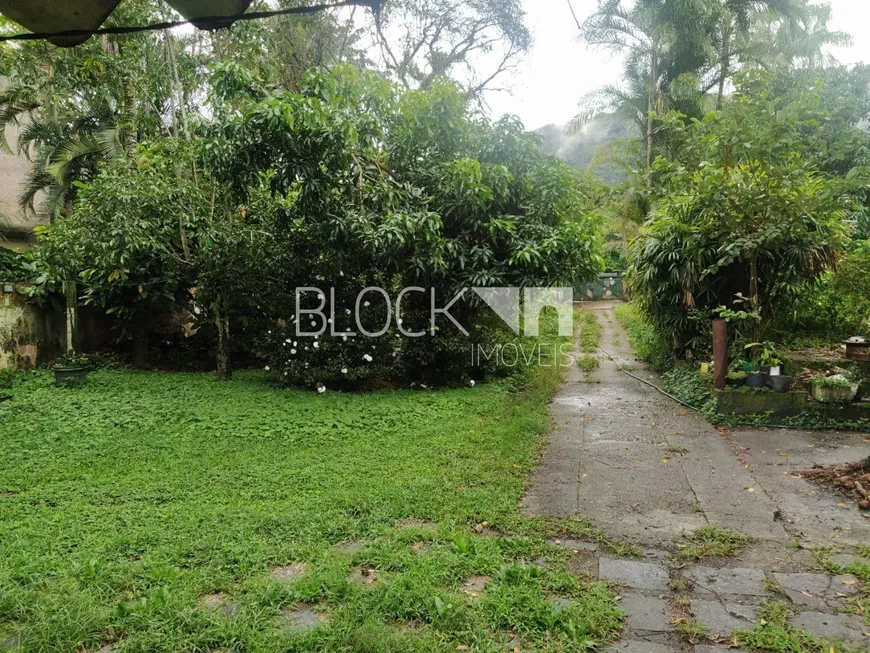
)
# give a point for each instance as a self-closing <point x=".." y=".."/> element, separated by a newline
<point x="776" y="633"/>
<point x="126" y="502"/>
<point x="590" y="332"/>
<point x="711" y="542"/>
<point x="648" y="344"/>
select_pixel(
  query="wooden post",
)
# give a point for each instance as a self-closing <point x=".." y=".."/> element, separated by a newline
<point x="720" y="353"/>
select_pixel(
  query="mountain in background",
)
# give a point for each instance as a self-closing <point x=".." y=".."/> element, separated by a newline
<point x="579" y="150"/>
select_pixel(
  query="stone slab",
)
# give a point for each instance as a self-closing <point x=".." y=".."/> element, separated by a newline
<point x="733" y="581"/>
<point x="846" y="559"/>
<point x="633" y="646"/>
<point x="576" y="545"/>
<point x="646" y="613"/>
<point x="723" y="618"/>
<point x="839" y="627"/>
<point x="302" y="620"/>
<point x="289" y="573"/>
<point x="813" y="583"/>
<point x="639" y="575"/>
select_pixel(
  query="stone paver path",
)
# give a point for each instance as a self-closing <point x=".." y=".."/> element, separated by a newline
<point x="640" y="466"/>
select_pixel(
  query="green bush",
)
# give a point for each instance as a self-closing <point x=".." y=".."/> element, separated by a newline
<point x="649" y="346"/>
<point x="835" y="308"/>
<point x="7" y="378"/>
<point x="748" y="227"/>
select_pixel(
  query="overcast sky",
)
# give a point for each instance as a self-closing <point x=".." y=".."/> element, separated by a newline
<point x="559" y="71"/>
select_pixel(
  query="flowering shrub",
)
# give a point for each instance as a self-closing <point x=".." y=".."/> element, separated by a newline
<point x="342" y="357"/>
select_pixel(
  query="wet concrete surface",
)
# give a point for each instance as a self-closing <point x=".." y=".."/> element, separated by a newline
<point x="640" y="465"/>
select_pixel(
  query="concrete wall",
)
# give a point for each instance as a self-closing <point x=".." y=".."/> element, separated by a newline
<point x="29" y="334"/>
<point x="15" y="223"/>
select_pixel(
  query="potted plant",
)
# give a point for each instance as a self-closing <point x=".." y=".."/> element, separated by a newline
<point x="767" y="360"/>
<point x="71" y="370"/>
<point x="780" y="383"/>
<point x="834" y="389"/>
<point x="755" y="378"/>
<point x="737" y="379"/>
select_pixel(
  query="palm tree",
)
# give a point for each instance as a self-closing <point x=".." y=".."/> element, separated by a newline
<point x="735" y="19"/>
<point x="665" y="45"/>
<point x="62" y="149"/>
<point x="801" y="42"/>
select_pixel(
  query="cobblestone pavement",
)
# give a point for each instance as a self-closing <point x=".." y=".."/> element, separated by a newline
<point x="643" y="468"/>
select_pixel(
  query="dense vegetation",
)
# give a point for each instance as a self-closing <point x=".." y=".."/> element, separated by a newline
<point x="748" y="204"/>
<point x="337" y="179"/>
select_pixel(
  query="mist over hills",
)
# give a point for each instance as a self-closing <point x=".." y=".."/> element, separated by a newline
<point x="579" y="150"/>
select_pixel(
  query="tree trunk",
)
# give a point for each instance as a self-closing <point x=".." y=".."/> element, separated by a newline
<point x="222" y="321"/>
<point x="725" y="60"/>
<point x="754" y="296"/>
<point x="71" y="296"/>
<point x="651" y="105"/>
<point x="140" y="346"/>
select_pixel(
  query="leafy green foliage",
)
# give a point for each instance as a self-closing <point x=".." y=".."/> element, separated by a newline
<point x="744" y="215"/>
<point x="185" y="487"/>
<point x="398" y="190"/>
<point x="72" y="108"/>
<point x="8" y="377"/>
<point x="689" y="386"/>
<point x="16" y="267"/>
<point x="648" y="344"/>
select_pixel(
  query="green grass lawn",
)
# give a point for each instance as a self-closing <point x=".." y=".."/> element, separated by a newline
<point x="123" y="503"/>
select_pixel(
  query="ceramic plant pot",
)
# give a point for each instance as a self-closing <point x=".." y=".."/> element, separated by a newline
<point x="73" y="376"/>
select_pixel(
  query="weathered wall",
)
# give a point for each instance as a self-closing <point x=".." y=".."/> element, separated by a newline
<point x="29" y="334"/>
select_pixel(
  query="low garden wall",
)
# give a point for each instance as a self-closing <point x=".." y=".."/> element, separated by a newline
<point x="29" y="334"/>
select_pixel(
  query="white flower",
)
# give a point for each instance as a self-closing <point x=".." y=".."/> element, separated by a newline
<point x="344" y="338"/>
<point x="313" y="323"/>
<point x="316" y="345"/>
<point x="367" y="303"/>
<point x="399" y="321"/>
<point x="289" y="340"/>
<point x="471" y="383"/>
<point x="270" y="332"/>
<point x="285" y="373"/>
<point x="340" y="272"/>
<point x="347" y="310"/>
<point x="344" y="370"/>
<point x="293" y="351"/>
<point x="367" y="358"/>
<point x="329" y="321"/>
<point x="294" y="343"/>
<point x="305" y="348"/>
<point x="267" y="368"/>
<point x="321" y="389"/>
<point x="347" y="329"/>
